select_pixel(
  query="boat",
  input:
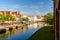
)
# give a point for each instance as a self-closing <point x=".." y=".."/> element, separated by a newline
<point x="27" y="23"/>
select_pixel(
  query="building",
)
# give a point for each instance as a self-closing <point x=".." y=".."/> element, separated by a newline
<point x="33" y="18"/>
<point x="36" y="18"/>
<point x="1" y="12"/>
<point x="16" y="14"/>
<point x="40" y="18"/>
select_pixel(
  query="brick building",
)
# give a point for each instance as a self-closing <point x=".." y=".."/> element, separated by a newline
<point x="16" y="14"/>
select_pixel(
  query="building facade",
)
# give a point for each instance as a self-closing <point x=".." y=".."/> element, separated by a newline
<point x="15" y="14"/>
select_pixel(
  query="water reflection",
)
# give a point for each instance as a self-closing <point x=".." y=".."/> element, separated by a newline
<point x="5" y="36"/>
<point x="22" y="33"/>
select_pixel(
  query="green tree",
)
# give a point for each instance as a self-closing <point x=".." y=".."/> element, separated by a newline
<point x="6" y="17"/>
<point x="24" y="19"/>
<point x="9" y="18"/>
<point x="2" y="17"/>
<point x="49" y="18"/>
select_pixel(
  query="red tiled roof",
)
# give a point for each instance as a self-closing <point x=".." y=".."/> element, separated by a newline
<point x="7" y="12"/>
<point x="14" y="12"/>
<point x="2" y="11"/>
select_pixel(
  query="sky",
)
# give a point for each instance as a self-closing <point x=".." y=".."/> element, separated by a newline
<point x="27" y="7"/>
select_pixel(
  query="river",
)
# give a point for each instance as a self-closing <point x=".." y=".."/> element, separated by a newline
<point x="22" y="33"/>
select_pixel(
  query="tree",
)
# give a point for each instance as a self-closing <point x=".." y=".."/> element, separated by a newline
<point x="2" y="17"/>
<point x="49" y="18"/>
<point x="24" y="19"/>
<point x="9" y="18"/>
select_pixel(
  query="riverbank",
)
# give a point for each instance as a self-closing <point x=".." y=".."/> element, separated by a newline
<point x="44" y="33"/>
<point x="4" y="28"/>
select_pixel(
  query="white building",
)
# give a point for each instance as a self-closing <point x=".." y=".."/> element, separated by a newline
<point x="35" y="18"/>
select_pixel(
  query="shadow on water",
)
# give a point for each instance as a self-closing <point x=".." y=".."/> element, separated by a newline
<point x="2" y="31"/>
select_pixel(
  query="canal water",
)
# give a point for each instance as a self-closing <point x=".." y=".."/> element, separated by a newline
<point x="22" y="33"/>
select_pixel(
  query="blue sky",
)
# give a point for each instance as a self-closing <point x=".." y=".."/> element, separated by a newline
<point x="28" y="7"/>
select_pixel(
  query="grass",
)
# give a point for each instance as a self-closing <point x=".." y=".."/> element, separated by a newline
<point x="44" y="33"/>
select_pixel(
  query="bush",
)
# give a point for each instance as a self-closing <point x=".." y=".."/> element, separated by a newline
<point x="49" y="18"/>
